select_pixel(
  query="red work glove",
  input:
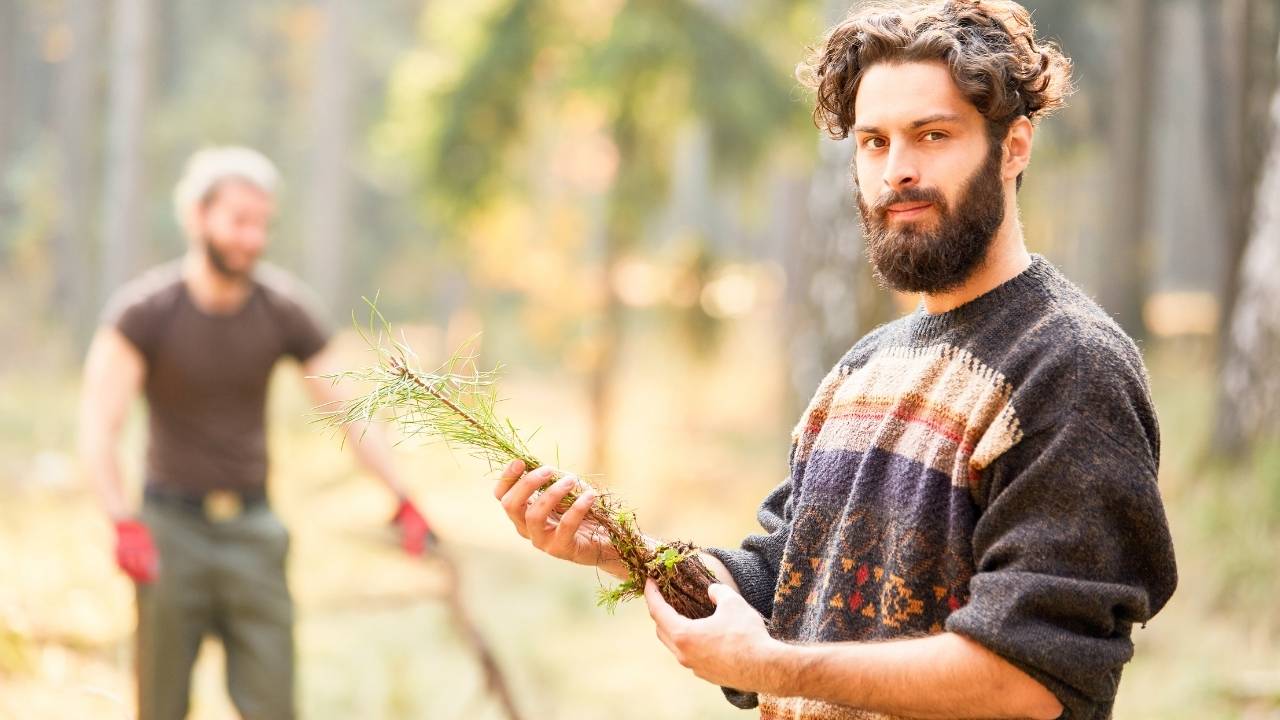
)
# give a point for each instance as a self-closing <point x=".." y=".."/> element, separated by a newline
<point x="416" y="535"/>
<point x="135" y="552"/>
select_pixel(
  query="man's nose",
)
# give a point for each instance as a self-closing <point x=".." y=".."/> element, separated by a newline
<point x="253" y="238"/>
<point x="901" y="171"/>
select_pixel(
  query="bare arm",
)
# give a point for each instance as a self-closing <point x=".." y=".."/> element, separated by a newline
<point x="113" y="374"/>
<point x="368" y="441"/>
<point x="940" y="676"/>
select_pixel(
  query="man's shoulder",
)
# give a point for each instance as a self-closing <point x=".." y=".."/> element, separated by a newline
<point x="1078" y="331"/>
<point x="1076" y="361"/>
<point x="285" y="290"/>
<point x="295" y="308"/>
<point x="153" y="289"/>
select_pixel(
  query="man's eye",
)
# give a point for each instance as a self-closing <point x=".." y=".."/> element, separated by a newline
<point x="873" y="143"/>
<point x="934" y="135"/>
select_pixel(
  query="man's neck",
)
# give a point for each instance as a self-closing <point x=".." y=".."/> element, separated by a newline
<point x="1006" y="259"/>
<point x="212" y="291"/>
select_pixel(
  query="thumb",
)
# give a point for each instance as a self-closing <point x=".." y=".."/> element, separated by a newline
<point x="719" y="593"/>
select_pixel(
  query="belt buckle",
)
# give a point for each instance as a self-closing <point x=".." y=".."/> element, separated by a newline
<point x="222" y="505"/>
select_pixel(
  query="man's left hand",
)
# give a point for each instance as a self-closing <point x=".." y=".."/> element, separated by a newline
<point x="416" y="535"/>
<point x="731" y="648"/>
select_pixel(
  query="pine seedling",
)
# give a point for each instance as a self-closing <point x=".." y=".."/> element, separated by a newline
<point x="457" y="403"/>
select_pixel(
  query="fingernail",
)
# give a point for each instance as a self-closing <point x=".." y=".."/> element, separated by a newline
<point x="511" y="466"/>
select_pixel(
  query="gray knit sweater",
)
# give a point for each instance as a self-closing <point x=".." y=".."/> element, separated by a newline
<point x="989" y="471"/>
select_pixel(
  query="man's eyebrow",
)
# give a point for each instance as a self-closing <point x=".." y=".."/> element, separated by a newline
<point x="936" y="118"/>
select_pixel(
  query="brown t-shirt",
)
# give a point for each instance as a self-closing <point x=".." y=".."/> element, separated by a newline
<point x="206" y="376"/>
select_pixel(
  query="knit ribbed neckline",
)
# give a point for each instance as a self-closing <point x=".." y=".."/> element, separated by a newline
<point x="923" y="327"/>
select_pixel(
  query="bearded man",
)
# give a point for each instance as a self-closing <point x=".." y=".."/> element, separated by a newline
<point x="971" y="525"/>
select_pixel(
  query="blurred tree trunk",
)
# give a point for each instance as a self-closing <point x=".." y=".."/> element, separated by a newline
<point x="1250" y="405"/>
<point x="1124" y="260"/>
<point x="127" y="104"/>
<point x="1226" y="28"/>
<point x="76" y="86"/>
<point x="622" y="228"/>
<point x="328" y="186"/>
<point x="1243" y="42"/>
<point x="832" y="297"/>
<point x="9" y="19"/>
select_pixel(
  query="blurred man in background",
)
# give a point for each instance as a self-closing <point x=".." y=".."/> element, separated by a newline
<point x="200" y="337"/>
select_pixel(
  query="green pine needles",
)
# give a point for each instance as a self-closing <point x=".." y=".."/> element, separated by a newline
<point x="456" y="403"/>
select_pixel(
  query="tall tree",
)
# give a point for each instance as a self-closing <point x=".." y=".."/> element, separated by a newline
<point x="1225" y="24"/>
<point x="127" y="104"/>
<point x="76" y="92"/>
<point x="1124" y="260"/>
<point x="1242" y="38"/>
<point x="1250" y="372"/>
<point x="831" y="296"/>
<point x="328" y="190"/>
<point x="9" y="19"/>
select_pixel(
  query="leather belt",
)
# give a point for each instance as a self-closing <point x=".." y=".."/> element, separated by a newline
<point x="215" y="506"/>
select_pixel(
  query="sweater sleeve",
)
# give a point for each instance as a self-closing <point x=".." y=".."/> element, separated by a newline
<point x="754" y="565"/>
<point x="1071" y="549"/>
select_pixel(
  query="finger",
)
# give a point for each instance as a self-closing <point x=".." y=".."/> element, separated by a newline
<point x="664" y="637"/>
<point x="510" y="475"/>
<point x="660" y="610"/>
<point x="538" y="513"/>
<point x="566" y="531"/>
<point x="516" y="500"/>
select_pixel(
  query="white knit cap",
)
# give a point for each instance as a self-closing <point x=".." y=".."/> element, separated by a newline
<point x="208" y="168"/>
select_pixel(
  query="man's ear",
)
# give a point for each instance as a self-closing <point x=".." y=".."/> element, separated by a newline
<point x="1017" y="148"/>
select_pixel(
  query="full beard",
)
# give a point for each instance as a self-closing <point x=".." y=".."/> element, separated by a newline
<point x="218" y="261"/>
<point x="912" y="258"/>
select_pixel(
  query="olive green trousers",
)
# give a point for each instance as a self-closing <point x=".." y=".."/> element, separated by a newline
<point x="222" y="578"/>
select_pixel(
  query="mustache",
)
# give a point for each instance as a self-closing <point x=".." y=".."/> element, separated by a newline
<point x="912" y="194"/>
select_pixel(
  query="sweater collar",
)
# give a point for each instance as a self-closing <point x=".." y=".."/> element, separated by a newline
<point x="924" y="327"/>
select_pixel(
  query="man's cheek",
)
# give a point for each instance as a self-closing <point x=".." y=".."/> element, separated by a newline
<point x="863" y="177"/>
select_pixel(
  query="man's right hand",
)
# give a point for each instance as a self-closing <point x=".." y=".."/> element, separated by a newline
<point x="135" y="552"/>
<point x="568" y="535"/>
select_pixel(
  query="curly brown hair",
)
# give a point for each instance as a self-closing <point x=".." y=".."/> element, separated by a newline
<point x="989" y="46"/>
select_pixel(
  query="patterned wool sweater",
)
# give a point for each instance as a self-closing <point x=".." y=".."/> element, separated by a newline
<point x="989" y="471"/>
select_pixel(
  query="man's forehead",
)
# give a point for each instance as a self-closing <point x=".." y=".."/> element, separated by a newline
<point x="905" y="95"/>
<point x="241" y="191"/>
